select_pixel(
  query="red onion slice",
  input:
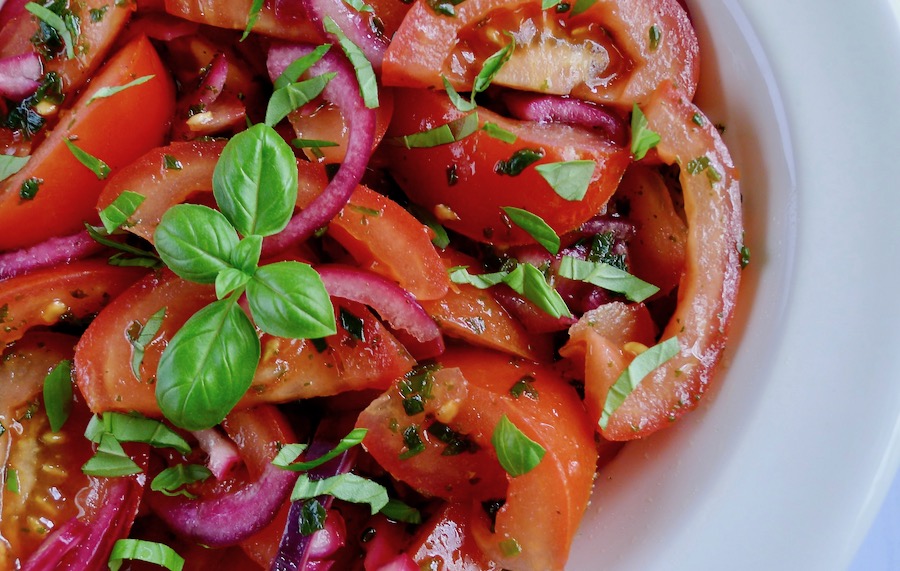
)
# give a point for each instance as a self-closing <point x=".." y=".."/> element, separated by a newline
<point x="394" y="304"/>
<point x="48" y="253"/>
<point x="223" y="454"/>
<point x="214" y="81"/>
<point x="343" y="91"/>
<point x="20" y="75"/>
<point x="560" y="109"/>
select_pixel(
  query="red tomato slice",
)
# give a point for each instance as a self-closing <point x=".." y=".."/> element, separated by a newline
<point x="445" y="542"/>
<point x="71" y="291"/>
<point x="289" y="368"/>
<point x="277" y="19"/>
<point x="388" y="240"/>
<point x="708" y="290"/>
<point x="451" y="180"/>
<point x="115" y="129"/>
<point x="605" y="54"/>
<point x="469" y="396"/>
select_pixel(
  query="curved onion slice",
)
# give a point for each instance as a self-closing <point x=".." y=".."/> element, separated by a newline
<point x="51" y="252"/>
<point x="561" y="109"/>
<point x="393" y="303"/>
<point x="343" y="91"/>
<point x="223" y="454"/>
<point x="214" y="81"/>
<point x="19" y="75"/>
<point x="356" y="25"/>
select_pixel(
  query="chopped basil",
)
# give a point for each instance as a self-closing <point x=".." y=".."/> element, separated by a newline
<point x="30" y="187"/>
<point x="456" y="442"/>
<point x="458" y="101"/>
<point x="171" y="163"/>
<point x="56" y="23"/>
<point x="399" y="511"/>
<point x="98" y="167"/>
<point x="123" y="207"/>
<point x="110" y="460"/>
<point x="312" y="517"/>
<point x="110" y="91"/>
<point x="293" y="96"/>
<point x="359" y="5"/>
<point x="642" y="138"/>
<point x="606" y="276"/>
<point x="288" y="455"/>
<point x="441" y="239"/>
<point x="744" y="253"/>
<point x="582" y="6"/>
<point x="352" y="324"/>
<point x="517" y="453"/>
<point x="524" y="387"/>
<point x="412" y="441"/>
<point x="58" y="394"/>
<point x="314" y="145"/>
<point x="569" y="179"/>
<point x="528" y="281"/>
<point x="143" y="550"/>
<point x="443" y="7"/>
<point x="299" y="66"/>
<point x="142" y="335"/>
<point x="518" y="162"/>
<point x="451" y="132"/>
<point x="492" y="66"/>
<point x="135" y="428"/>
<point x="460" y="275"/>
<point x="700" y="164"/>
<point x="347" y="487"/>
<point x="252" y="17"/>
<point x="10" y="165"/>
<point x="128" y="255"/>
<point x="535" y="226"/>
<point x="510" y="547"/>
<point x="547" y="4"/>
<point x="655" y="35"/>
<point x="698" y="119"/>
<point x="172" y="480"/>
<point x="499" y="133"/>
<point x="368" y="84"/>
<point x="631" y="377"/>
<point x="603" y="250"/>
<point x="12" y="481"/>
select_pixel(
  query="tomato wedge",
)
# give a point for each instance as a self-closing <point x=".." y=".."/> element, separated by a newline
<point x="462" y="405"/>
<point x="708" y="290"/>
<point x="616" y="51"/>
<point x="72" y="291"/>
<point x="277" y="19"/>
<point x="451" y="180"/>
<point x="61" y="191"/>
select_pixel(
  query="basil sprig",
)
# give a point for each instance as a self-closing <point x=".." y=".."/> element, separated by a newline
<point x="209" y="363"/>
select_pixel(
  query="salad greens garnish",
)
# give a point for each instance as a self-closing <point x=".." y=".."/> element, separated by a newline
<point x="517" y="453"/>
<point x="252" y="17"/>
<point x="347" y="487"/>
<point x="135" y="428"/>
<point x="96" y="166"/>
<point x="365" y="75"/>
<point x="143" y="550"/>
<point x="295" y="95"/>
<point x="287" y="456"/>
<point x="141" y="335"/>
<point x="637" y="370"/>
<point x="12" y="481"/>
<point x="110" y="460"/>
<point x="58" y="394"/>
<point x="499" y="133"/>
<point x="655" y="36"/>
<point x="518" y="162"/>
<point x="104" y="92"/>
<point x="10" y="165"/>
<point x="642" y="138"/>
<point x="536" y="227"/>
<point x="57" y="24"/>
<point x="172" y="480"/>
<point x="569" y="179"/>
<point x="606" y="276"/>
<point x="451" y="132"/>
<point x="120" y="210"/>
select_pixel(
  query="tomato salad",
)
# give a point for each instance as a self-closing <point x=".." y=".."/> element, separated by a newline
<point x="359" y="284"/>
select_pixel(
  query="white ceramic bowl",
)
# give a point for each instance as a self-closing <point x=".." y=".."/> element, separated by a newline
<point x="786" y="463"/>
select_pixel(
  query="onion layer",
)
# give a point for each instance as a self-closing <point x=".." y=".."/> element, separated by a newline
<point x="49" y="253"/>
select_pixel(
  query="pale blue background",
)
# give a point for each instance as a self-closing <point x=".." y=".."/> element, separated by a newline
<point x="881" y="549"/>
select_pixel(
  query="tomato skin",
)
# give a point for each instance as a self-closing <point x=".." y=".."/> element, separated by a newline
<point x="43" y="297"/>
<point x="139" y="119"/>
<point x="429" y="46"/>
<point x="462" y="204"/>
<point x="445" y="542"/>
<point x="276" y="19"/>
<point x="470" y="394"/>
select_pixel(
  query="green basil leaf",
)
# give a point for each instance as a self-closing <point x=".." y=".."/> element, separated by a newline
<point x="117" y="213"/>
<point x="98" y="167"/>
<point x="312" y="517"/>
<point x="58" y="394"/>
<point x="246" y="255"/>
<point x="441" y="238"/>
<point x="230" y="280"/>
<point x="207" y="366"/>
<point x="104" y="92"/>
<point x="54" y="21"/>
<point x="642" y="138"/>
<point x="143" y="550"/>
<point x="252" y="17"/>
<point x="547" y="4"/>
<point x="529" y="282"/>
<point x="365" y="75"/>
<point x="492" y="66"/>
<point x="10" y="165"/>
<point x="517" y="453"/>
<point x="135" y="428"/>
<point x="195" y="241"/>
<point x="294" y="96"/>
<point x="497" y="132"/>
<point x="288" y="299"/>
<point x="110" y="461"/>
<point x="655" y="35"/>
<point x="359" y="5"/>
<point x="12" y="481"/>
<point x="451" y="132"/>
<point x="347" y="487"/>
<point x="299" y="66"/>
<point x="458" y="101"/>
<point x="631" y="377"/>
<point x="355" y="437"/>
<point x="569" y="179"/>
<point x="288" y="454"/>
<point x="314" y="145"/>
<point x="399" y="511"/>
<point x="535" y="226"/>
<point x="127" y="254"/>
<point x="518" y="162"/>
<point x="460" y="275"/>
<point x="144" y="335"/>
<point x="170" y="480"/>
<point x="606" y="276"/>
<point x="582" y="6"/>
<point x="255" y="181"/>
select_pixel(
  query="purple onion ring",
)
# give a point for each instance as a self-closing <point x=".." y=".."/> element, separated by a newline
<point x="561" y="109"/>
<point x="49" y="253"/>
<point x="20" y="75"/>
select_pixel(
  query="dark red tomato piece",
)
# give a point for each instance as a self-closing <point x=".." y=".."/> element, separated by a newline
<point x="445" y="542"/>
<point x="289" y="368"/>
<point x="465" y="186"/>
<point x="276" y="19"/>
<point x="70" y="291"/>
<point x="616" y="51"/>
<point x="461" y="408"/>
<point x="388" y="240"/>
<point x="54" y="193"/>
